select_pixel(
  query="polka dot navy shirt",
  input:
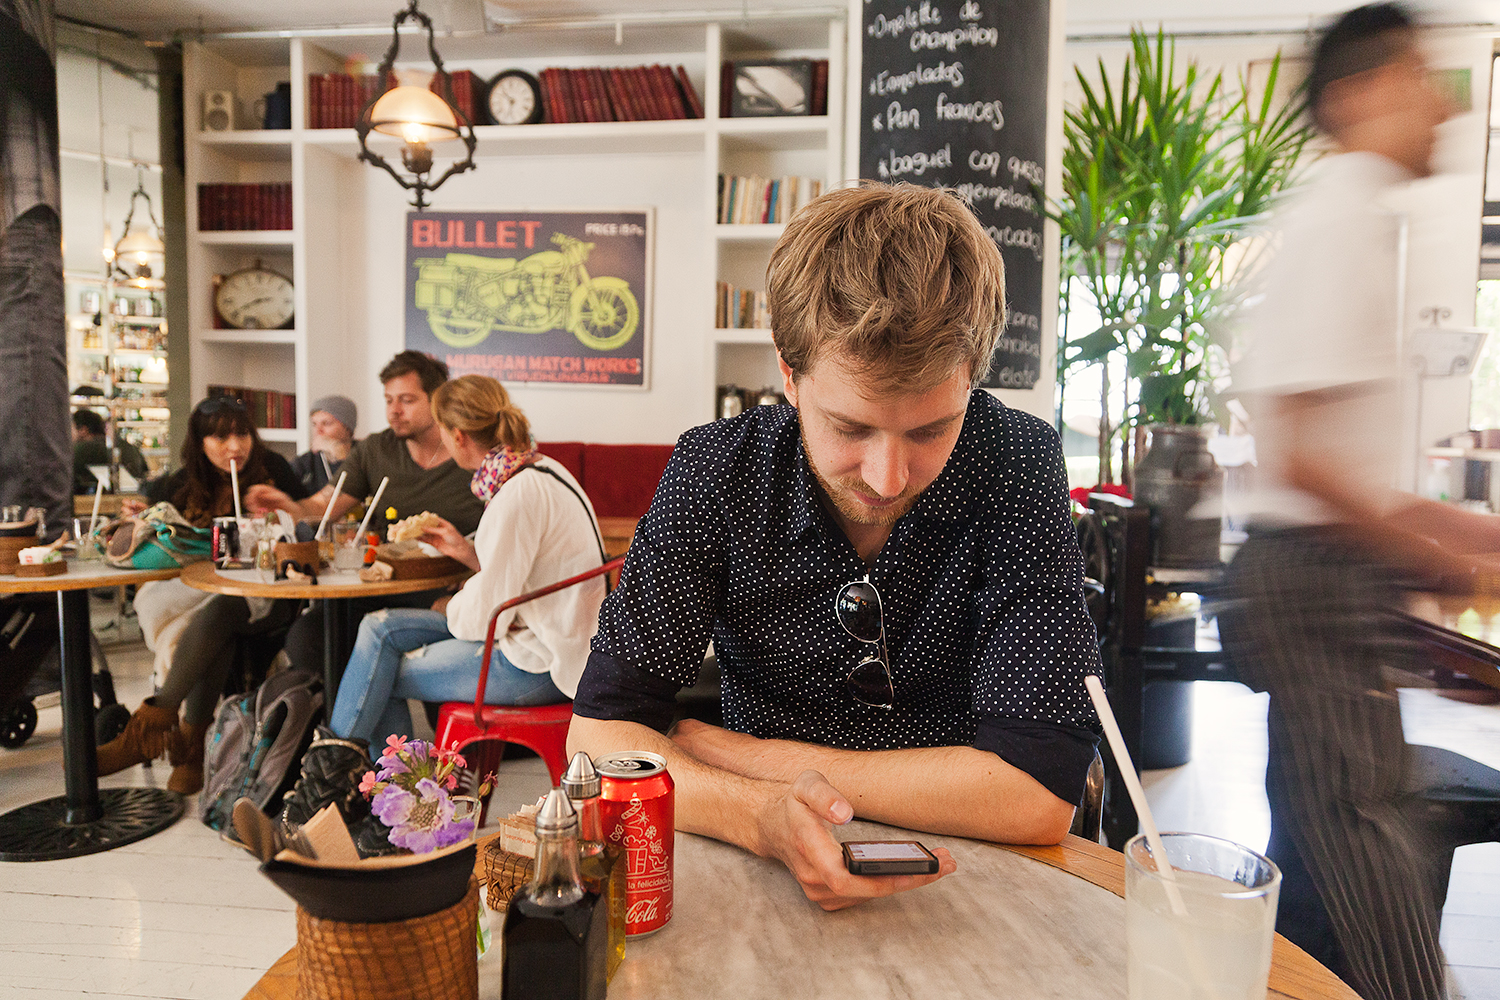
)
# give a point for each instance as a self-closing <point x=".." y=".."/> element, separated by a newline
<point x="980" y="586"/>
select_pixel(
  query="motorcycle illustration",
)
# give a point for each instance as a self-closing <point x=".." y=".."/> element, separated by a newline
<point x="467" y="297"/>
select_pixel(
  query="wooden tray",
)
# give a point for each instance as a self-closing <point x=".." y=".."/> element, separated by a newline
<point x="54" y="568"/>
<point x="10" y="551"/>
<point x="409" y="563"/>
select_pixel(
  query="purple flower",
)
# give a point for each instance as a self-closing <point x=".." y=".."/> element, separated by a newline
<point x="422" y="822"/>
<point x="390" y="767"/>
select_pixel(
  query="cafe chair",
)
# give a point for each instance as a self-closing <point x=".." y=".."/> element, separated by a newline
<point x="542" y="728"/>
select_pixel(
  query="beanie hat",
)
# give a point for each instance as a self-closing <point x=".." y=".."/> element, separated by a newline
<point x="341" y="408"/>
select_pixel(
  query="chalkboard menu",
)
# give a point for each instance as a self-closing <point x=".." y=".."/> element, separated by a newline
<point x="955" y="96"/>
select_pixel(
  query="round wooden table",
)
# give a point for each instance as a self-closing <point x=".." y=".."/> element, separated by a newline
<point x="337" y="588"/>
<point x="82" y="820"/>
<point x="1021" y="923"/>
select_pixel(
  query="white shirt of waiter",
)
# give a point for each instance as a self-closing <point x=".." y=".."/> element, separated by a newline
<point x="1329" y="327"/>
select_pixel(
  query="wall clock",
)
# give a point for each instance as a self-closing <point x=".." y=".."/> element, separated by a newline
<point x="255" y="298"/>
<point x="515" y="98"/>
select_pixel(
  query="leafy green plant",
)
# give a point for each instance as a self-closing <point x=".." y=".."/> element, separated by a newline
<point x="1165" y="174"/>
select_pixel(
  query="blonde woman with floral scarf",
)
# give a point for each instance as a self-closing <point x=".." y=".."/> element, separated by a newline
<point x="538" y="527"/>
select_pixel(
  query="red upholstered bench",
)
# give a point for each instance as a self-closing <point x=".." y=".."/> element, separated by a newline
<point x="620" y="480"/>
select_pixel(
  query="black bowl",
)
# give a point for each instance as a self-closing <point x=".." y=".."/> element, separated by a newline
<point x="376" y="895"/>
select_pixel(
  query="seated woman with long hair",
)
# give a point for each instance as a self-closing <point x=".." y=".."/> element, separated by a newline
<point x="538" y="527"/>
<point x="204" y="626"/>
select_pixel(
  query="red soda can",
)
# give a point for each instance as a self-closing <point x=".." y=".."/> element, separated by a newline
<point x="636" y="808"/>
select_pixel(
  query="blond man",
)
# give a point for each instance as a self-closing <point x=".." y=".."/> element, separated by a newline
<point x="886" y="567"/>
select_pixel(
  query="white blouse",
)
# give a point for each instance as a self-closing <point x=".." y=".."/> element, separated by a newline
<point x="535" y="532"/>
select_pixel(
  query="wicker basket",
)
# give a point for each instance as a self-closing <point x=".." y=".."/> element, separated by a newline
<point x="506" y="874"/>
<point x="425" y="958"/>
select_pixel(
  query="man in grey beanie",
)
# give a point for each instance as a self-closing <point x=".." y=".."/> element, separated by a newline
<point x="333" y="420"/>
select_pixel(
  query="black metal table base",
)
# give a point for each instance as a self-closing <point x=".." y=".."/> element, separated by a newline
<point x="41" y="831"/>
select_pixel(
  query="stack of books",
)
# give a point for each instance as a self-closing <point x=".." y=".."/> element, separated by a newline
<point x="244" y="206"/>
<point x="750" y="200"/>
<point x="334" y="100"/>
<point x="269" y="409"/>
<point x="740" y="309"/>
<point x="619" y="94"/>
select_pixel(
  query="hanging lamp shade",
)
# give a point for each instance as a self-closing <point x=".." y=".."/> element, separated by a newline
<point x="414" y="114"/>
<point x="138" y="244"/>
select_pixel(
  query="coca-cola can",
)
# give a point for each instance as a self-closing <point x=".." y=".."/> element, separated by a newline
<point x="225" y="540"/>
<point x="636" y="807"/>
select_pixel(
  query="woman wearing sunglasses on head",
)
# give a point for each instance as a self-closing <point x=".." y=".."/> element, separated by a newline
<point x="538" y="528"/>
<point x="193" y="633"/>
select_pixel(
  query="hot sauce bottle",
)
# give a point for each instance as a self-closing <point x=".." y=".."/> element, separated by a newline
<point x="601" y="862"/>
<point x="556" y="930"/>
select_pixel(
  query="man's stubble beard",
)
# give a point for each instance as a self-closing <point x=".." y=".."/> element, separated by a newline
<point x="846" y="505"/>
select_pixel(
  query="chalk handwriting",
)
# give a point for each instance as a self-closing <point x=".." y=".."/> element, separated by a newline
<point x="886" y="82"/>
<point x="915" y="164"/>
<point x="969" y="34"/>
<point x="978" y="112"/>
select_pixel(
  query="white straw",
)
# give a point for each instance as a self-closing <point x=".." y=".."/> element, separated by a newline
<point x="328" y="511"/>
<point x="98" y="495"/>
<point x="234" y="483"/>
<point x="1137" y="793"/>
<point x="371" y="509"/>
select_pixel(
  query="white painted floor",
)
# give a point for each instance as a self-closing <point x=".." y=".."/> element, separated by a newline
<point x="185" y="915"/>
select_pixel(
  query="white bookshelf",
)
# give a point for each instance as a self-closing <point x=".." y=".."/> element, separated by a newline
<point x="325" y="351"/>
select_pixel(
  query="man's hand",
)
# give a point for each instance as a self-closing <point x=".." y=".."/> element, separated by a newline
<point x="795" y="827"/>
<point x="262" y="498"/>
<point x="131" y="506"/>
<point x="448" y="540"/>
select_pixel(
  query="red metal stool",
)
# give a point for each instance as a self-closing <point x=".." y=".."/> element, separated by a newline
<point x="543" y="728"/>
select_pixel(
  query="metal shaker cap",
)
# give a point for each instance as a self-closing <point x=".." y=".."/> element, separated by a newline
<point x="581" y="780"/>
<point x="557" y="814"/>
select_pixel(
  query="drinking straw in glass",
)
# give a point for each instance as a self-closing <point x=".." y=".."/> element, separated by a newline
<point x="327" y="511"/>
<point x="373" y="504"/>
<point x="234" y="485"/>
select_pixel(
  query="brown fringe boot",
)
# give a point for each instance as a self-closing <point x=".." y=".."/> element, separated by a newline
<point x="185" y="751"/>
<point x="145" y="738"/>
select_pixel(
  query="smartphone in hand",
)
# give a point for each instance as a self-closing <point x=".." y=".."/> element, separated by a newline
<point x="889" y="857"/>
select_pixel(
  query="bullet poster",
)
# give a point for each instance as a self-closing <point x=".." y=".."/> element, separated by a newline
<point x="954" y="95"/>
<point x="556" y="296"/>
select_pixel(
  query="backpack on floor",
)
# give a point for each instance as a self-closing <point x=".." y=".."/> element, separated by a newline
<point x="255" y="747"/>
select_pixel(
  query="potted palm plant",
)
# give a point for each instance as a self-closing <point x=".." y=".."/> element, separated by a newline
<point x="1167" y="175"/>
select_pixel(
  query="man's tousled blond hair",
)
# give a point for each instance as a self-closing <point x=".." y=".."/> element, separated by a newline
<point x="900" y="281"/>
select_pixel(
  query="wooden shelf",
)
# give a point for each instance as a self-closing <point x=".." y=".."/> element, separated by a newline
<point x="756" y="232"/>
<point x="590" y="138"/>
<point x="246" y="237"/>
<point x="1472" y="454"/>
<point x="252" y="337"/>
<point x="729" y="335"/>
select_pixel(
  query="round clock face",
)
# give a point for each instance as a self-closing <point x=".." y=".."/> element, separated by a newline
<point x="255" y="299"/>
<point x="515" y="98"/>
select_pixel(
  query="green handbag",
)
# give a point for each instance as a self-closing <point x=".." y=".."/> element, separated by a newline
<point x="156" y="538"/>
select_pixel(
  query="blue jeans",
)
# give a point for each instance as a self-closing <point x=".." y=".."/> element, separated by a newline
<point x="406" y="653"/>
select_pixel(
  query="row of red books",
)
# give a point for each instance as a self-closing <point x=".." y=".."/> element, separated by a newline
<point x="817" y="102"/>
<point x="269" y="409"/>
<point x="335" y="100"/>
<point x="244" y="206"/>
<point x="619" y="94"/>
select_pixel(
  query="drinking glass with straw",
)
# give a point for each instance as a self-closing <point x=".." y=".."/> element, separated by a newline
<point x="1217" y="948"/>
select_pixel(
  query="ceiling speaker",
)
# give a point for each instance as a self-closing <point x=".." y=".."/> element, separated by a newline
<point x="218" y="111"/>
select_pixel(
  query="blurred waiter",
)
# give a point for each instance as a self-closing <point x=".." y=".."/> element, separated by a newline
<point x="35" y="449"/>
<point x="1364" y="852"/>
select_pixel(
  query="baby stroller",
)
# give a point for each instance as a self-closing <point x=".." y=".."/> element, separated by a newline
<point x="30" y="666"/>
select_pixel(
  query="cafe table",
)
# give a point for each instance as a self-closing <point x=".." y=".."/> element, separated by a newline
<point x="1023" y="923"/>
<point x="83" y="820"/>
<point x="335" y="587"/>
